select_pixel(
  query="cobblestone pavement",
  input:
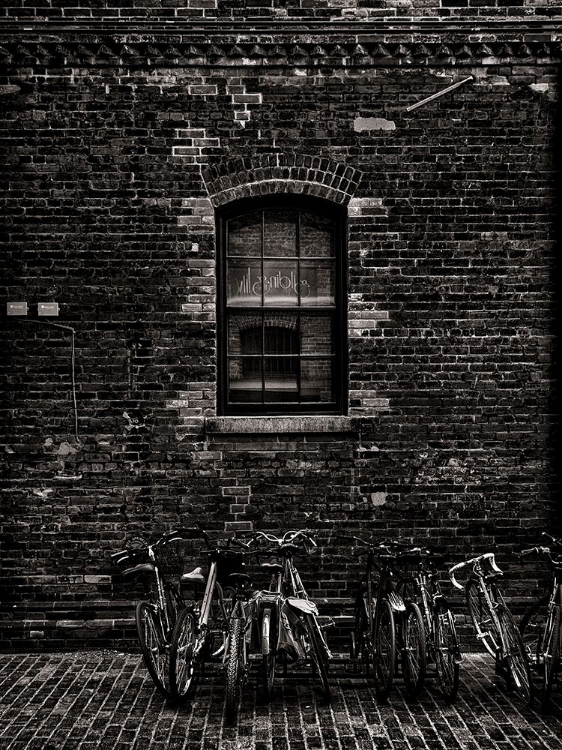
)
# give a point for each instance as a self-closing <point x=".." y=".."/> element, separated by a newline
<point x="106" y="701"/>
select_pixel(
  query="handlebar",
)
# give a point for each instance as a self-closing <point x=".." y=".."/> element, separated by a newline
<point x="474" y="561"/>
<point x="289" y="537"/>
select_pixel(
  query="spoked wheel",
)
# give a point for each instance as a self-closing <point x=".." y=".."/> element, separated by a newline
<point x="317" y="653"/>
<point x="269" y="651"/>
<point x="532" y="627"/>
<point x="482" y="619"/>
<point x="384" y="656"/>
<point x="155" y="650"/>
<point x="516" y="657"/>
<point x="182" y="660"/>
<point x="413" y="649"/>
<point x="551" y="654"/>
<point x="234" y="670"/>
<point x="447" y="652"/>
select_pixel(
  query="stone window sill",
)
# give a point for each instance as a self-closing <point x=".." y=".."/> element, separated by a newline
<point x="279" y="425"/>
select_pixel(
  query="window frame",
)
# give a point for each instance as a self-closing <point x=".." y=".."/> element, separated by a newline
<point x="336" y="213"/>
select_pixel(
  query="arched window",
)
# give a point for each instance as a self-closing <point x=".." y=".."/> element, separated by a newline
<point x="282" y="344"/>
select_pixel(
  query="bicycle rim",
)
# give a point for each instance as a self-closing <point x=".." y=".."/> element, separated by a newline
<point x="153" y="647"/>
<point x="482" y="618"/>
<point x="551" y="654"/>
<point x="532" y="629"/>
<point x="269" y="648"/>
<point x="516" y="656"/>
<point x="384" y="656"/>
<point x="413" y="649"/>
<point x="182" y="657"/>
<point x="234" y="670"/>
<point x="446" y="651"/>
<point x="318" y="654"/>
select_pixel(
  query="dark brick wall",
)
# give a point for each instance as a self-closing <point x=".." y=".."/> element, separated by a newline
<point x="117" y="149"/>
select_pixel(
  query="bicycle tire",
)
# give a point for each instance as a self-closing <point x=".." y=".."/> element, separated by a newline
<point x="153" y="647"/>
<point x="551" y="654"/>
<point x="357" y="645"/>
<point x="384" y="650"/>
<point x="414" y="658"/>
<point x="182" y="657"/>
<point x="532" y="628"/>
<point x="269" y="651"/>
<point x="174" y="605"/>
<point x="317" y="653"/>
<point x="234" y="670"/>
<point x="482" y="618"/>
<point x="446" y="651"/>
<point x="516" y="656"/>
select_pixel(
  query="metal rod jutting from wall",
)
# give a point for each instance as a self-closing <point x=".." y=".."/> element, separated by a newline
<point x="439" y="93"/>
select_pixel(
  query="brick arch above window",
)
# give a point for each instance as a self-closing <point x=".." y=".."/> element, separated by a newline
<point x="271" y="174"/>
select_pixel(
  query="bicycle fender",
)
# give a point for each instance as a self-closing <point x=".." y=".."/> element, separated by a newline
<point x="302" y="605"/>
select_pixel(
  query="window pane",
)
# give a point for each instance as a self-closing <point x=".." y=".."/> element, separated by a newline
<point x="280" y="234"/>
<point x="316" y="237"/>
<point x="316" y="380"/>
<point x="244" y="283"/>
<point x="281" y="282"/>
<point x="244" y="386"/>
<point x="317" y="283"/>
<point x="317" y="334"/>
<point x="244" y="334"/>
<point x="244" y="235"/>
<point x="281" y="379"/>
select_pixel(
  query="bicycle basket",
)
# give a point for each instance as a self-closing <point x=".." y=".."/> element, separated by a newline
<point x="228" y="561"/>
<point x="169" y="558"/>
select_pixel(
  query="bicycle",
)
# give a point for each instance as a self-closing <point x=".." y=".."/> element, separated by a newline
<point x="156" y="617"/>
<point x="424" y="588"/>
<point x="289" y="621"/>
<point x="541" y="625"/>
<point x="494" y="623"/>
<point x="202" y="620"/>
<point x="385" y="625"/>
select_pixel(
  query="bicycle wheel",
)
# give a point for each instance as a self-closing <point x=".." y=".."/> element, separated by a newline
<point x="153" y="646"/>
<point x="174" y="605"/>
<point x="384" y="647"/>
<point x="269" y="650"/>
<point x="482" y="618"/>
<point x="532" y="627"/>
<point x="413" y="649"/>
<point x="447" y="651"/>
<point x="551" y="654"/>
<point x="317" y="652"/>
<point x="357" y="644"/>
<point x="515" y="656"/>
<point x="182" y="661"/>
<point x="234" y="670"/>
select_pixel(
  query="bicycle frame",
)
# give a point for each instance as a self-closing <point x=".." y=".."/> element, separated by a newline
<point x="510" y="656"/>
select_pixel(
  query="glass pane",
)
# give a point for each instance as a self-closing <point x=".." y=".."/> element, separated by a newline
<point x="316" y="380"/>
<point x="281" y="335"/>
<point x="280" y="234"/>
<point x="244" y="334"/>
<point x="317" y="283"/>
<point x="317" y="335"/>
<point x="281" y="379"/>
<point x="244" y="283"/>
<point x="316" y="237"/>
<point x="244" y="235"/>
<point x="245" y="383"/>
<point x="281" y="282"/>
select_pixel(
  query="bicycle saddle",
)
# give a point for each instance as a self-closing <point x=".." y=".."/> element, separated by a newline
<point x="272" y="567"/>
<point x="195" y="576"/>
<point x="137" y="570"/>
